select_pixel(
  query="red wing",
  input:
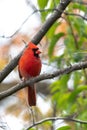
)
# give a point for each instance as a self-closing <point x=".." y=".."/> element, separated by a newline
<point x="19" y="73"/>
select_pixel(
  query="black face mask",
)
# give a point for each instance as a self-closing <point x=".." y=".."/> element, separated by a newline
<point x="35" y="54"/>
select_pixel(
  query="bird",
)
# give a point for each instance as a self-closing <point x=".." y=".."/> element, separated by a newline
<point x="29" y="66"/>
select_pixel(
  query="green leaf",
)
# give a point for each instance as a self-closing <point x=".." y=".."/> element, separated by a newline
<point x="51" y="32"/>
<point x="48" y="123"/>
<point x="62" y="101"/>
<point x="54" y="39"/>
<point x="76" y="77"/>
<point x="78" y="56"/>
<point x="32" y="129"/>
<point x="64" y="128"/>
<point x="42" y="3"/>
<point x="76" y="92"/>
<point x="79" y="6"/>
<point x="55" y="86"/>
<point x="64" y="79"/>
<point x="52" y="3"/>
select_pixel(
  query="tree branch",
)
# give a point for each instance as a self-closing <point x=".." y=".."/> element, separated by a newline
<point x="50" y="21"/>
<point x="9" y="67"/>
<point x="21" y="85"/>
<point x="39" y="35"/>
<point x="55" y="119"/>
<point x="73" y="34"/>
<point x="78" y="15"/>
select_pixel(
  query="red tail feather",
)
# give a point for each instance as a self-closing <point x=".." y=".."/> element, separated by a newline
<point x="32" y="95"/>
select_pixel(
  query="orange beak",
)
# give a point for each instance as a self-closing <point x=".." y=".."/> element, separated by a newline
<point x="38" y="52"/>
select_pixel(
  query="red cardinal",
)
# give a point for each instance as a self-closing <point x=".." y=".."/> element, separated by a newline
<point x="30" y="66"/>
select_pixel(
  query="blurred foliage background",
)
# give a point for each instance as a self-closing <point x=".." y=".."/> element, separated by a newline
<point x="64" y="44"/>
<point x="67" y="45"/>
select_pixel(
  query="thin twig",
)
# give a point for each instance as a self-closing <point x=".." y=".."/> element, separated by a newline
<point x="78" y="15"/>
<point x="57" y="118"/>
<point x="21" y="26"/>
<point x="21" y="85"/>
<point x="73" y="34"/>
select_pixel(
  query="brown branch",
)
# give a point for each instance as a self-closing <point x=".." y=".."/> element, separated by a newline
<point x="55" y="119"/>
<point x="37" y="38"/>
<point x="73" y="34"/>
<point x="21" y="85"/>
<point x="78" y="15"/>
<point x="50" y="21"/>
<point x="9" y="67"/>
